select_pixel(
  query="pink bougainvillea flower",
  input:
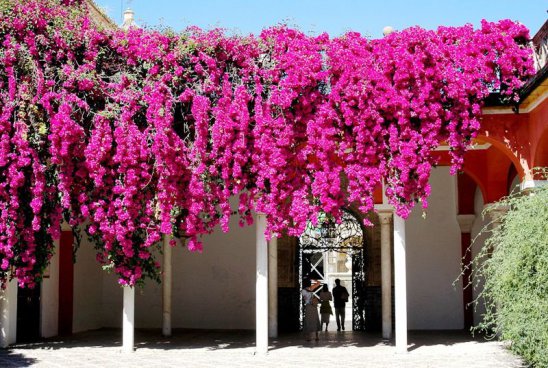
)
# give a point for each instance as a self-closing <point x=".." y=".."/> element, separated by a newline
<point x="137" y="134"/>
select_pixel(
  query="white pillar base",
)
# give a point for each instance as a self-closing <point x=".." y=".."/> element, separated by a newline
<point x="261" y="287"/>
<point x="128" y="320"/>
<point x="400" y="281"/>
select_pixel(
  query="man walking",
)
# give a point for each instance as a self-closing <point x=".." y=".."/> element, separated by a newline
<point x="340" y="297"/>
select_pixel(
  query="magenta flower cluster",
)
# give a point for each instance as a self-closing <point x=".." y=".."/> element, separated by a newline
<point x="137" y="134"/>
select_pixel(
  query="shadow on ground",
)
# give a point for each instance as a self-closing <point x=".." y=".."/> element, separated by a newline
<point x="418" y="339"/>
<point x="241" y="339"/>
<point x="10" y="359"/>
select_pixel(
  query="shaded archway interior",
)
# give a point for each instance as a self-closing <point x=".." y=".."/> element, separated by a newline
<point x="366" y="287"/>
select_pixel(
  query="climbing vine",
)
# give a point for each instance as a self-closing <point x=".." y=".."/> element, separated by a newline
<point x="513" y="264"/>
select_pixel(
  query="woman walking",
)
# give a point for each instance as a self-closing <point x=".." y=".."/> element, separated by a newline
<point x="311" y="319"/>
<point x="325" y="306"/>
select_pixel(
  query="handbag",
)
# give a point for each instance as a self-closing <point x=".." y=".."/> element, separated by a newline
<point x="344" y="296"/>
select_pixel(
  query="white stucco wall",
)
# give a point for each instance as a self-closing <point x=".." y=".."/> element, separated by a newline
<point x="49" y="298"/>
<point x="148" y="303"/>
<point x="111" y="301"/>
<point x="214" y="289"/>
<point x="88" y="285"/>
<point x="434" y="259"/>
<point x="8" y="314"/>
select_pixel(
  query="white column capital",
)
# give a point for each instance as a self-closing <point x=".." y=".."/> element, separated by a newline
<point x="466" y="222"/>
<point x="384" y="208"/>
<point x="385" y="213"/>
<point x="385" y="218"/>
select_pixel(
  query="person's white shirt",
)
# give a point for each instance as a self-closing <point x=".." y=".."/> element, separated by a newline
<point x="307" y="296"/>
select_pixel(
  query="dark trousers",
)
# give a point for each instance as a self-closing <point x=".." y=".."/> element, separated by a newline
<point x="339" y="317"/>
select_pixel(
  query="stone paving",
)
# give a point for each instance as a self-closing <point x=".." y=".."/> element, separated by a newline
<point x="186" y="348"/>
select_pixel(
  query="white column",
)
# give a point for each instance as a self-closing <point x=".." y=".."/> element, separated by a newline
<point x="8" y="314"/>
<point x="385" y="217"/>
<point x="166" y="287"/>
<point x="400" y="281"/>
<point x="261" y="293"/>
<point x="273" y="288"/>
<point x="128" y="319"/>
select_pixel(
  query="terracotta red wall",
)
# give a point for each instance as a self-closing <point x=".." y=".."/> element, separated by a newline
<point x="539" y="135"/>
<point x="66" y="283"/>
<point x="522" y="137"/>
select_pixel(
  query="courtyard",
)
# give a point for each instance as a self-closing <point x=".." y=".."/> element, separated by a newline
<point x="174" y="194"/>
<point x="188" y="348"/>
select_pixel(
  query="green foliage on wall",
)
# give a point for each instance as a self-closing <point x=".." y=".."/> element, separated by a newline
<point x="514" y="264"/>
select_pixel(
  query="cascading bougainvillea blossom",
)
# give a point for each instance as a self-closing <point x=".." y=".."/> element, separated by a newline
<point x="140" y="133"/>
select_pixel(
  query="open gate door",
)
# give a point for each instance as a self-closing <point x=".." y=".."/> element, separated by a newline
<point x="326" y="248"/>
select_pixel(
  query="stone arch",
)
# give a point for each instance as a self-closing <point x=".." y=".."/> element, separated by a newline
<point x="521" y="164"/>
<point x="490" y="168"/>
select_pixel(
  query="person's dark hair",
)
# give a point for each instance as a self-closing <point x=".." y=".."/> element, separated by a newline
<point x="338" y="282"/>
<point x="306" y="283"/>
<point x="325" y="288"/>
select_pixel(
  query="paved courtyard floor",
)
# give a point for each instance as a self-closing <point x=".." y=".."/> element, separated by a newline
<point x="186" y="348"/>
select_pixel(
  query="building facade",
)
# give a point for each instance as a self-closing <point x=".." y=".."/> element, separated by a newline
<point x="403" y="275"/>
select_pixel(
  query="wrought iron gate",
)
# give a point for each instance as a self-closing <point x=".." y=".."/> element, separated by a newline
<point x="327" y="236"/>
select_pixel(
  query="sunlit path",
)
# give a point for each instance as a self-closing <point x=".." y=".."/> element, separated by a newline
<point x="102" y="348"/>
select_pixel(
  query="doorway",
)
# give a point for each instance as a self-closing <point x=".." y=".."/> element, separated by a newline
<point x="28" y="314"/>
<point x="329" y="251"/>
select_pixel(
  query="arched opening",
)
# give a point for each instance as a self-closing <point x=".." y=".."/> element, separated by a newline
<point x="502" y="147"/>
<point x="513" y="180"/>
<point x="494" y="169"/>
<point x="28" y="314"/>
<point x="330" y="251"/>
<point x="541" y="153"/>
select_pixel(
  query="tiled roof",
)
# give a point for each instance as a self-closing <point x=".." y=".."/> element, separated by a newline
<point x="98" y="15"/>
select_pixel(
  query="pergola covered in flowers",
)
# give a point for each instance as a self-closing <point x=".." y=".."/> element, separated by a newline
<point x="138" y="134"/>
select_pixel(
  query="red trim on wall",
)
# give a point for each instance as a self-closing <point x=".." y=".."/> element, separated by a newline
<point x="377" y="194"/>
<point x="488" y="168"/>
<point x="66" y="283"/>
<point x="467" y="295"/>
<point x="466" y="194"/>
<point x="541" y="152"/>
